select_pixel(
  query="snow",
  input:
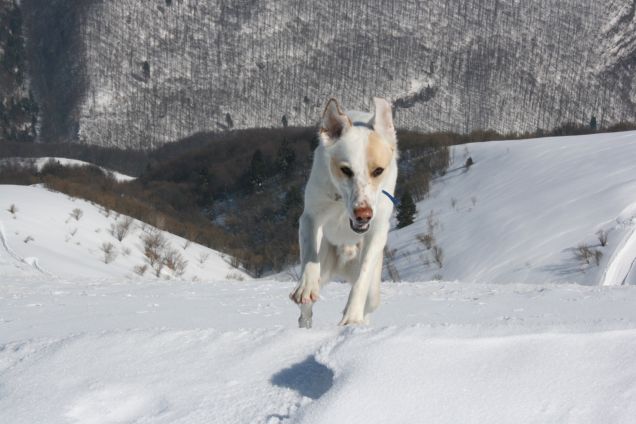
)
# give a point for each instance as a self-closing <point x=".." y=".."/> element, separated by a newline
<point x="86" y="342"/>
<point x="91" y="351"/>
<point x="40" y="162"/>
<point x="519" y="213"/>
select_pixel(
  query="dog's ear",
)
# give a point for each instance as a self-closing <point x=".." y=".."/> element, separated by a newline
<point x="383" y="120"/>
<point x="334" y="123"/>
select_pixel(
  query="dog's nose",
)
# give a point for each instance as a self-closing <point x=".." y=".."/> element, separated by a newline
<point x="363" y="215"/>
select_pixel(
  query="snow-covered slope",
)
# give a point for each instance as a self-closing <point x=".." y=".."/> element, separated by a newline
<point x="62" y="236"/>
<point x="40" y="162"/>
<point x="89" y="351"/>
<point x="522" y="210"/>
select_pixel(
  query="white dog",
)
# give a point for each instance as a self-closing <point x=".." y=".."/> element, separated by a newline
<point x="348" y="203"/>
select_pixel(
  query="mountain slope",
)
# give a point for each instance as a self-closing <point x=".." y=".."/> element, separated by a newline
<point x="522" y="211"/>
<point x="60" y="236"/>
<point x="139" y="74"/>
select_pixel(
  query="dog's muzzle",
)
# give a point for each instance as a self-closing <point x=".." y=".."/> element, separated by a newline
<point x="359" y="227"/>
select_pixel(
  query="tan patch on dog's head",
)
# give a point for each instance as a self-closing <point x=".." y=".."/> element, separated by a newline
<point x="379" y="154"/>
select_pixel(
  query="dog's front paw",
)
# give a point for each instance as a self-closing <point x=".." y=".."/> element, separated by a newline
<point x="352" y="318"/>
<point x="308" y="287"/>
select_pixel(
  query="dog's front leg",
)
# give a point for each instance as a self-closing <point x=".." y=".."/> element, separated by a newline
<point x="310" y="236"/>
<point x="371" y="253"/>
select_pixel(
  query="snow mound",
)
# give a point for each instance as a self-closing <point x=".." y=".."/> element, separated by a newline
<point x="584" y="378"/>
<point x="522" y="210"/>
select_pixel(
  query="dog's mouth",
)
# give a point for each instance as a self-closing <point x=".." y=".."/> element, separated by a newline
<point x="359" y="228"/>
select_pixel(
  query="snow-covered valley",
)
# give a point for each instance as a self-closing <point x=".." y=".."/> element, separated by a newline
<point x="518" y="330"/>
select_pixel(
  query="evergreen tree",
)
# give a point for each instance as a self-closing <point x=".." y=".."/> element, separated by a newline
<point x="593" y="123"/>
<point x="257" y="171"/>
<point x="145" y="67"/>
<point x="284" y="121"/>
<point x="229" y="121"/>
<point x="406" y="210"/>
<point x="293" y="204"/>
<point x="285" y="157"/>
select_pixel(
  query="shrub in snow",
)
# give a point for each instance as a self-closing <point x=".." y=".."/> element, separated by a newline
<point x="389" y="258"/>
<point x="602" y="237"/>
<point x="598" y="255"/>
<point x="234" y="276"/>
<point x="109" y="252"/>
<point x="28" y="239"/>
<point x="585" y="254"/>
<point x="438" y="256"/>
<point x="173" y="260"/>
<point x="140" y="269"/>
<point x="203" y="257"/>
<point x="431" y="222"/>
<point x="154" y="244"/>
<point x="13" y="209"/>
<point x="121" y="228"/>
<point x="76" y="213"/>
<point x="428" y="240"/>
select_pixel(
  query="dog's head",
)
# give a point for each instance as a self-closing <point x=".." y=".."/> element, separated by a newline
<point x="359" y="154"/>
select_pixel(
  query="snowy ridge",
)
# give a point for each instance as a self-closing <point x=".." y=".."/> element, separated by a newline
<point x="40" y="162"/>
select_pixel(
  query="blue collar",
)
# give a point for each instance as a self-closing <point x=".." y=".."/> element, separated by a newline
<point x="363" y="124"/>
<point x="395" y="201"/>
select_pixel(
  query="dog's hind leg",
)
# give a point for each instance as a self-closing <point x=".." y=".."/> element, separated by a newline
<point x="373" y="298"/>
<point x="328" y="260"/>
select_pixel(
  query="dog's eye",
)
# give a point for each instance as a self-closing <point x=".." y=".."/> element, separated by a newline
<point x="347" y="171"/>
<point x="377" y="172"/>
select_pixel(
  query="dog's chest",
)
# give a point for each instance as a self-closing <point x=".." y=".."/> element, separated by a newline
<point x="338" y="232"/>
